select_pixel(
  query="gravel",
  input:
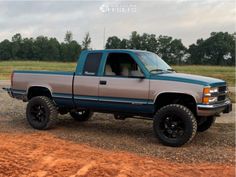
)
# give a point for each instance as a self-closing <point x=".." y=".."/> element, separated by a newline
<point x="215" y="145"/>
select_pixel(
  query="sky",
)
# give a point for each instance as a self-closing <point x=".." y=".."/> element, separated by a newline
<point x="181" y="19"/>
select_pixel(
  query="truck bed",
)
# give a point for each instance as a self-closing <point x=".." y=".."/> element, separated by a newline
<point x="59" y="83"/>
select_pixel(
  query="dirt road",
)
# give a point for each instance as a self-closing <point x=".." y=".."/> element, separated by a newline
<point x="107" y="147"/>
<point x="41" y="154"/>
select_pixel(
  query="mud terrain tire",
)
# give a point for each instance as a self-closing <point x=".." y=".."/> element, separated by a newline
<point x="174" y="125"/>
<point x="40" y="111"/>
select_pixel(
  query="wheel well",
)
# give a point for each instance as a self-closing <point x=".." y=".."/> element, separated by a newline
<point x="38" y="91"/>
<point x="176" y="98"/>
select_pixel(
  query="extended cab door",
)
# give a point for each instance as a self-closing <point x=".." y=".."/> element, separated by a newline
<point x="86" y="80"/>
<point x="123" y="86"/>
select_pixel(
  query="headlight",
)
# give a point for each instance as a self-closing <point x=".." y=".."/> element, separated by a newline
<point x="214" y="90"/>
<point x="207" y="100"/>
<point x="208" y="95"/>
<point x="207" y="91"/>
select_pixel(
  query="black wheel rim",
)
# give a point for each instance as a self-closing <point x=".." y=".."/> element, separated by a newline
<point x="38" y="113"/>
<point x="172" y="127"/>
<point x="80" y="113"/>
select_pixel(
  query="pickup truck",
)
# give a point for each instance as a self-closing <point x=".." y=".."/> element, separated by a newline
<point x="126" y="83"/>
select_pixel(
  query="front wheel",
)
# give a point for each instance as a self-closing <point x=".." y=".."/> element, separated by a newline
<point x="174" y="125"/>
<point x="82" y="115"/>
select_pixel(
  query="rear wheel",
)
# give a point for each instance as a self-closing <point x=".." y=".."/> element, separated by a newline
<point x="174" y="125"/>
<point x="82" y="115"/>
<point x="40" y="110"/>
<point x="204" y="123"/>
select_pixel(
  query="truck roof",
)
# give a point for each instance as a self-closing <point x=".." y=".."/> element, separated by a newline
<point x="116" y="50"/>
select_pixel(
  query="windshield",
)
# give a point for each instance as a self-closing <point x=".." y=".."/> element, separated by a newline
<point x="153" y="62"/>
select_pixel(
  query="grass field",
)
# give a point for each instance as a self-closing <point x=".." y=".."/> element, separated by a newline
<point x="225" y="73"/>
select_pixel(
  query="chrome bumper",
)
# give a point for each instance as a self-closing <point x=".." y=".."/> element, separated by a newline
<point x="214" y="109"/>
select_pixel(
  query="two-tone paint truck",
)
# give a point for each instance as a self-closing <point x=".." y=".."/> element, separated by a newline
<point x="126" y="83"/>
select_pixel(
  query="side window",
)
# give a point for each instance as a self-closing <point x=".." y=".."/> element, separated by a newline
<point x="121" y="65"/>
<point x="92" y="64"/>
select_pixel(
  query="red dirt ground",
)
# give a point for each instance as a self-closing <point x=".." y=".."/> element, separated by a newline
<point x="41" y="154"/>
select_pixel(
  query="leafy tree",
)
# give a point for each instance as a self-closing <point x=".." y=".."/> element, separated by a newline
<point x="171" y="50"/>
<point x="113" y="43"/>
<point x="218" y="49"/>
<point x="17" y="38"/>
<point x="86" y="42"/>
<point x="41" y="48"/>
<point x="178" y="52"/>
<point x="53" y="49"/>
<point x="68" y="37"/>
<point x="135" y="40"/>
<point x="74" y="50"/>
<point x="64" y="51"/>
<point x="148" y="42"/>
<point x="71" y="49"/>
<point x="70" y="52"/>
<point x="116" y="43"/>
<point x="164" y="43"/>
<point x="5" y="50"/>
<point x="196" y="56"/>
<point x="27" y="48"/>
<point x="124" y="44"/>
<point x="16" y="44"/>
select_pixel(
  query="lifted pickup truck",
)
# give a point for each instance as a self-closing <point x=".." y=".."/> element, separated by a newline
<point x="127" y="83"/>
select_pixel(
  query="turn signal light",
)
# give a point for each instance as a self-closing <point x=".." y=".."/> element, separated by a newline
<point x="206" y="90"/>
<point x="205" y="100"/>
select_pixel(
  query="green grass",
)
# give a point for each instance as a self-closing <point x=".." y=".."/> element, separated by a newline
<point x="6" y="67"/>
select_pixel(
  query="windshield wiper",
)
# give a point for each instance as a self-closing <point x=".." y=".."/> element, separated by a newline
<point x="170" y="69"/>
<point x="162" y="70"/>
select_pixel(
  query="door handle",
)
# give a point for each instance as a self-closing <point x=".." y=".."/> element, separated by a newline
<point x="103" y="82"/>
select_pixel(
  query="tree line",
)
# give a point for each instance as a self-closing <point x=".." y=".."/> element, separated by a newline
<point x="43" y="48"/>
<point x="218" y="49"/>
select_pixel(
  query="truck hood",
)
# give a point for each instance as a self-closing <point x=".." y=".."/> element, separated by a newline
<point x="189" y="78"/>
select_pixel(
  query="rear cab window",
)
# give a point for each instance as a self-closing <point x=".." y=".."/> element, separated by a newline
<point x="92" y="64"/>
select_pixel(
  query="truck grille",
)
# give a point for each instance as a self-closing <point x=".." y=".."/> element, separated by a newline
<point x="222" y="89"/>
<point x="221" y="98"/>
<point x="222" y="93"/>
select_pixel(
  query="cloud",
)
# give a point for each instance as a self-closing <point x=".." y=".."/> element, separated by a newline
<point x="182" y="19"/>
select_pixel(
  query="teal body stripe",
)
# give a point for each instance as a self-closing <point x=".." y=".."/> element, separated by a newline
<point x="187" y="80"/>
<point x="97" y="98"/>
<point x="218" y="84"/>
<point x="166" y="78"/>
<point x="84" y="97"/>
<point x="45" y="72"/>
<point x="106" y="103"/>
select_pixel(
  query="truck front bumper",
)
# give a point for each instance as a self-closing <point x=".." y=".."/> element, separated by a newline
<point x="214" y="109"/>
